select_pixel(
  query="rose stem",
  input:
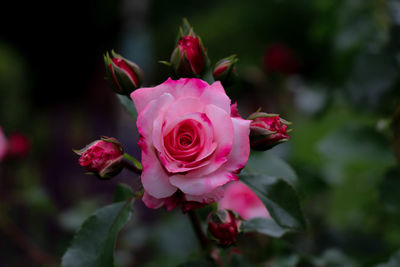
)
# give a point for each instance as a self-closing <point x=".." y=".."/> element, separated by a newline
<point x="201" y="237"/>
<point x="128" y="165"/>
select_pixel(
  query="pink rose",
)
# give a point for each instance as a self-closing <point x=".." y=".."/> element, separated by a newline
<point x="3" y="144"/>
<point x="103" y="158"/>
<point x="242" y="200"/>
<point x="191" y="145"/>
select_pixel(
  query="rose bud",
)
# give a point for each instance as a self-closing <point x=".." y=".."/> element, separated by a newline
<point x="124" y="76"/>
<point x="223" y="227"/>
<point x="225" y="69"/>
<point x="103" y="158"/>
<point x="188" y="57"/>
<point x="267" y="130"/>
<point x="18" y="146"/>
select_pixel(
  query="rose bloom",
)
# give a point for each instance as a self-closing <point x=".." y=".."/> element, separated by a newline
<point x="242" y="200"/>
<point x="3" y="144"/>
<point x="102" y="157"/>
<point x="191" y="145"/>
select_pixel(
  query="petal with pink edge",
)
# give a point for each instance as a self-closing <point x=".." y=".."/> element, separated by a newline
<point x="153" y="110"/>
<point x="208" y="198"/>
<point x="201" y="185"/>
<point x="152" y="202"/>
<point x="215" y="95"/>
<point x="154" y="178"/>
<point x="240" y="151"/>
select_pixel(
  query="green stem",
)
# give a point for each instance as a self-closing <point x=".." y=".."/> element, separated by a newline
<point x="132" y="164"/>
<point x="201" y="237"/>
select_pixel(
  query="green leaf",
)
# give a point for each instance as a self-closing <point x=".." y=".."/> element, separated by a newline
<point x="122" y="193"/>
<point x="271" y="165"/>
<point x="264" y="226"/>
<point x="279" y="197"/>
<point x="94" y="242"/>
<point x="128" y="105"/>
<point x="198" y="263"/>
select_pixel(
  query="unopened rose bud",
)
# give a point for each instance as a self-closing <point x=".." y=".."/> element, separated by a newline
<point x="223" y="227"/>
<point x="124" y="76"/>
<point x="103" y="158"/>
<point x="267" y="130"/>
<point x="18" y="146"/>
<point x="225" y="69"/>
<point x="188" y="57"/>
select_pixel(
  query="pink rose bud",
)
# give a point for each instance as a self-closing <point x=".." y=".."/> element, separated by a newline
<point x="103" y="158"/>
<point x="18" y="146"/>
<point x="124" y="75"/>
<point x="223" y="227"/>
<point x="225" y="69"/>
<point x="267" y="130"/>
<point x="188" y="57"/>
<point x="281" y="59"/>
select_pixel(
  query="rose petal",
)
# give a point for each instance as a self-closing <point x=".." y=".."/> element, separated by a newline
<point x="215" y="95"/>
<point x="208" y="198"/>
<point x="201" y="185"/>
<point x="154" y="178"/>
<point x="152" y="202"/>
<point x="156" y="108"/>
<point x="240" y="151"/>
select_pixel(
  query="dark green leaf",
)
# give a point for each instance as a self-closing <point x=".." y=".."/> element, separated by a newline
<point x="122" y="192"/>
<point x="94" y="242"/>
<point x="269" y="164"/>
<point x="280" y="199"/>
<point x="264" y="226"/>
<point x="198" y="263"/>
<point x="128" y="105"/>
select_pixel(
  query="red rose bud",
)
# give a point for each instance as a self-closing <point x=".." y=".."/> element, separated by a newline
<point x="225" y="69"/>
<point x="103" y="158"/>
<point x="124" y="76"/>
<point x="223" y="227"/>
<point x="280" y="58"/>
<point x="188" y="58"/>
<point x="267" y="130"/>
<point x="18" y="146"/>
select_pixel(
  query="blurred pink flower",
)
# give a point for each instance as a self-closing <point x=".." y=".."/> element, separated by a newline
<point x="3" y="144"/>
<point x="18" y="146"/>
<point x="242" y="200"/>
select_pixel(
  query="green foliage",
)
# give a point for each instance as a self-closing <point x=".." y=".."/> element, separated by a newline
<point x="128" y="105"/>
<point x="279" y="197"/>
<point x="94" y="242"/>
<point x="264" y="226"/>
